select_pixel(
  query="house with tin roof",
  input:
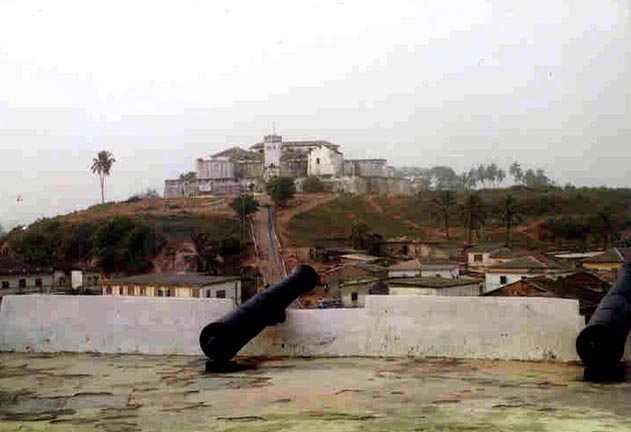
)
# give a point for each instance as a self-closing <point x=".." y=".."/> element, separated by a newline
<point x="17" y="277"/>
<point x="608" y="263"/>
<point x="529" y="266"/>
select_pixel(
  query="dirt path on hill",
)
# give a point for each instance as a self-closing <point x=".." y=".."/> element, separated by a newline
<point x="301" y="204"/>
<point x="377" y="207"/>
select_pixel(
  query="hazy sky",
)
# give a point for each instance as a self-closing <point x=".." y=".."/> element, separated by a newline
<point x="159" y="83"/>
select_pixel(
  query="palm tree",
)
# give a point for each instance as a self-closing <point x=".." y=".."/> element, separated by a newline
<point x="474" y="215"/>
<point x="605" y="224"/>
<point x="510" y="216"/>
<point x="101" y="165"/>
<point x="443" y="205"/>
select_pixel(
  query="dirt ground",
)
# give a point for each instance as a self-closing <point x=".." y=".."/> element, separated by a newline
<point x="90" y="392"/>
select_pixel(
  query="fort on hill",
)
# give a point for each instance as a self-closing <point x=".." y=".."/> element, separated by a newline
<point x="236" y="169"/>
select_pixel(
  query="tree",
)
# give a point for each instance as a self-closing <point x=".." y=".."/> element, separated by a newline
<point x="244" y="207"/>
<point x="280" y="189"/>
<point x="510" y="216"/>
<point x="313" y="184"/>
<point x="474" y="215"/>
<point x="362" y="238"/>
<point x="443" y="205"/>
<point x="604" y="225"/>
<point x="102" y="165"/>
<point x="517" y="173"/>
<point x="445" y="177"/>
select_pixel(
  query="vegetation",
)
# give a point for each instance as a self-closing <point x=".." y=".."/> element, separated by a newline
<point x="510" y="216"/>
<point x="148" y="194"/>
<point x="362" y="238"/>
<point x="443" y="208"/>
<point x="474" y="215"/>
<point x="313" y="184"/>
<point x="211" y="251"/>
<point x="281" y="190"/>
<point x="120" y="245"/>
<point x="244" y="206"/>
<point x="102" y="165"/>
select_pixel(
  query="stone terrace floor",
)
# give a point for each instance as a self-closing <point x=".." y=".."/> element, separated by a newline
<point x="130" y="392"/>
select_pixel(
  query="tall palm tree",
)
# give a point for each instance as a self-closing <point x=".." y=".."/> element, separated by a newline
<point x="510" y="216"/>
<point x="606" y="225"/>
<point x="101" y="165"/>
<point x="443" y="205"/>
<point x="474" y="215"/>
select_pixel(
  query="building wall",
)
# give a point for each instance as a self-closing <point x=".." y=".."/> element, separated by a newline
<point x="403" y="273"/>
<point x="272" y="150"/>
<point x="373" y="185"/>
<point x="366" y="167"/>
<point x="462" y="290"/>
<point x="441" y="272"/>
<point x="323" y="161"/>
<point x="30" y="281"/>
<point x="231" y="289"/>
<point x="215" y="169"/>
<point x="493" y="280"/>
<point x="421" y="326"/>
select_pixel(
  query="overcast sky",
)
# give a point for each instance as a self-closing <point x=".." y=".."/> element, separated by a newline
<point x="158" y="83"/>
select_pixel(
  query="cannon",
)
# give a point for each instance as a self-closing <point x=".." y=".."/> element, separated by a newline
<point x="221" y="340"/>
<point x="600" y="345"/>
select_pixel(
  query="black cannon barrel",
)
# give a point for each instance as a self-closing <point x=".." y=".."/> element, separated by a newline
<point x="222" y="339"/>
<point x="600" y="345"/>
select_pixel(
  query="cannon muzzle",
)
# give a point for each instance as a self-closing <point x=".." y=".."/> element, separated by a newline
<point x="600" y="345"/>
<point x="222" y="339"/>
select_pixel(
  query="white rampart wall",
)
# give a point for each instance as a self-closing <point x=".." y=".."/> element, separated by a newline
<point x="458" y="327"/>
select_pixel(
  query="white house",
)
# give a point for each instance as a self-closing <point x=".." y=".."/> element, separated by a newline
<point x="433" y="286"/>
<point x="176" y="285"/>
<point x="324" y="160"/>
<point x="505" y="273"/>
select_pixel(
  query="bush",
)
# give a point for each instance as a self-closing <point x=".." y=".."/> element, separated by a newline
<point x="313" y="184"/>
<point x="281" y="190"/>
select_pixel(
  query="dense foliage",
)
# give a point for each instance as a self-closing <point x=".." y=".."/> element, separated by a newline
<point x="280" y="189"/>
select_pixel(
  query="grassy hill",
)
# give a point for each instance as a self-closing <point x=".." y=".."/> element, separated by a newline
<point x="554" y="217"/>
<point x="126" y="236"/>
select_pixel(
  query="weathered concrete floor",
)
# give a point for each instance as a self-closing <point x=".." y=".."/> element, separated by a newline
<point x="126" y="393"/>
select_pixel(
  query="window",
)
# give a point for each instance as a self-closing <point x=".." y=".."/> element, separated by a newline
<point x="207" y="293"/>
<point x="503" y="280"/>
<point x="38" y="282"/>
<point x="354" y="297"/>
<point x="317" y="161"/>
<point x="22" y="283"/>
<point x="62" y="281"/>
<point x="221" y="293"/>
<point x="477" y="257"/>
<point x="5" y="284"/>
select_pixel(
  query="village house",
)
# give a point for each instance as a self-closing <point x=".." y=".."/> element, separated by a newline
<point x="334" y="277"/>
<point x="608" y="263"/>
<point x="77" y="277"/>
<point x="436" y="286"/>
<point x="587" y="288"/>
<point x="440" y="268"/>
<point x="529" y="266"/>
<point x="17" y="277"/>
<point x="354" y="291"/>
<point x="176" y="285"/>
<point x="484" y="256"/>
